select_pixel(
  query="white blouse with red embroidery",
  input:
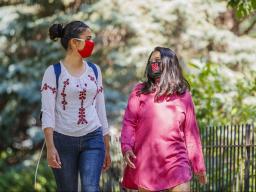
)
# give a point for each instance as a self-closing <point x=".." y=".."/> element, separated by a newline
<point x="79" y="106"/>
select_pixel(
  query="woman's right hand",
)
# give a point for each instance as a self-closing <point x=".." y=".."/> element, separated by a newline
<point x="202" y="177"/>
<point x="53" y="158"/>
<point x="127" y="157"/>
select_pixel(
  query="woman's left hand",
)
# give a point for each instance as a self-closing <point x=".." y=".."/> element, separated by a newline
<point x="202" y="178"/>
<point x="107" y="161"/>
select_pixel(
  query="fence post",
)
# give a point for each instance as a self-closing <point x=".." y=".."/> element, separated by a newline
<point x="247" y="159"/>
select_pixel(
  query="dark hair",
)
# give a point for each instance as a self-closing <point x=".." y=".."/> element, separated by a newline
<point x="171" y="80"/>
<point x="72" y="30"/>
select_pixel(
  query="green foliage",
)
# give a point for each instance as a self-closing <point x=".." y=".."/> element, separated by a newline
<point x="216" y="101"/>
<point x="243" y="7"/>
<point x="20" y="177"/>
<point x="219" y="64"/>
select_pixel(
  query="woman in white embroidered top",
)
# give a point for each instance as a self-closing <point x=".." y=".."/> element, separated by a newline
<point x="73" y="112"/>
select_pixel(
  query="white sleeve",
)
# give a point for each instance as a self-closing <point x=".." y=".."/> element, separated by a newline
<point x="48" y="93"/>
<point x="100" y="104"/>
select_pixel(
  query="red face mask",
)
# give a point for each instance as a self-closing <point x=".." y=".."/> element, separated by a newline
<point x="88" y="48"/>
<point x="155" y="67"/>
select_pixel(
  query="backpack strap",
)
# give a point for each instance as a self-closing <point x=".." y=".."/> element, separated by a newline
<point x="57" y="71"/>
<point x="94" y="68"/>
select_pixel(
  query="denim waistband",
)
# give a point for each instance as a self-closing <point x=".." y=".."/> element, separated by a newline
<point x="94" y="132"/>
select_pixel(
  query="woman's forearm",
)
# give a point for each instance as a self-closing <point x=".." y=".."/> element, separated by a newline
<point x="48" y="133"/>
<point x="107" y="141"/>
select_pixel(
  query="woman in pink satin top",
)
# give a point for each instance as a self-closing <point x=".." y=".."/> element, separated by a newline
<point x="160" y="137"/>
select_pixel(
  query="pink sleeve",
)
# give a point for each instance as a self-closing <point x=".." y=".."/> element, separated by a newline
<point x="192" y="137"/>
<point x="130" y="122"/>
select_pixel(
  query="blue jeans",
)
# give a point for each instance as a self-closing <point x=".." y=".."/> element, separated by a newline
<point x="84" y="155"/>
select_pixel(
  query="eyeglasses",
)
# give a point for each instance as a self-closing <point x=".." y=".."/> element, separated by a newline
<point x="87" y="38"/>
<point x="157" y="61"/>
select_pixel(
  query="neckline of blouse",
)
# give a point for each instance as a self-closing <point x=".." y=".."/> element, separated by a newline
<point x="81" y="76"/>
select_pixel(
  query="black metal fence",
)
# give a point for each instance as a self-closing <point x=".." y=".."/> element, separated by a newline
<point x="230" y="158"/>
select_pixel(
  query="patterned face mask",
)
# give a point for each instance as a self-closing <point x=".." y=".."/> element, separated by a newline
<point x="154" y="69"/>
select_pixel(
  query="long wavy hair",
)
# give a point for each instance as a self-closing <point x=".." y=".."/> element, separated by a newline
<point x="171" y="80"/>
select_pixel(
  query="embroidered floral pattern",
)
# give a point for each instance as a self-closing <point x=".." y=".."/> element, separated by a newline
<point x="100" y="90"/>
<point x="94" y="80"/>
<point x="81" y="113"/>
<point x="63" y="94"/>
<point x="46" y="87"/>
<point x="91" y="78"/>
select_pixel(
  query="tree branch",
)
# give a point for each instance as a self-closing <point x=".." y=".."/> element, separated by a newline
<point x="246" y="31"/>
